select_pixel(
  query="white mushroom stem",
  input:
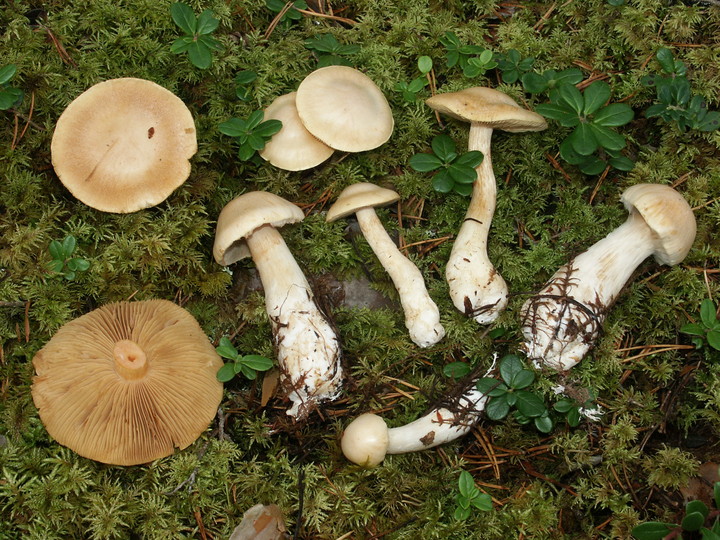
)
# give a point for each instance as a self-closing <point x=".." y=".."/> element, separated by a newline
<point x="367" y="439"/>
<point x="422" y="316"/>
<point x="307" y="346"/>
<point x="476" y="287"/>
<point x="561" y="322"/>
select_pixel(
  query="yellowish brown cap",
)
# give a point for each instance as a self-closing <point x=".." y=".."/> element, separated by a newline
<point x="124" y="145"/>
<point x="344" y="108"/>
<point x="360" y="195"/>
<point x="293" y="148"/>
<point x="241" y="216"/>
<point x="488" y="107"/>
<point x="128" y="382"/>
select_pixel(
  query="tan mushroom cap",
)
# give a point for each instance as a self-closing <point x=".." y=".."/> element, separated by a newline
<point x="668" y="215"/>
<point x="293" y="148"/>
<point x="124" y="145"/>
<point x="241" y="216"/>
<point x="344" y="108"/>
<point x="488" y="107"/>
<point x="360" y="195"/>
<point x="128" y="382"/>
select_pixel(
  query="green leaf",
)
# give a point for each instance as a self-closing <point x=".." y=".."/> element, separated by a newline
<point x="711" y="122"/>
<point x="256" y="142"/>
<point x="443" y="147"/>
<point x="463" y="189"/>
<point x="473" y="158"/>
<point x="694" y="329"/>
<point x="69" y="275"/>
<point x="592" y="165"/>
<point x="226" y="373"/>
<point x="461" y="514"/>
<point x="713" y="339"/>
<point x="7" y="73"/>
<point x="56" y="251"/>
<point x="425" y="162"/>
<point x="257" y="362"/>
<point x="708" y="312"/>
<point x="226" y="349"/>
<point x="56" y="266"/>
<point x="457" y="370"/>
<point x="607" y="138"/>
<point x="544" y="424"/>
<point x="211" y="43"/>
<point x="199" y="55"/>
<point x="560" y="112"/>
<point x="583" y="140"/>
<point x="245" y="77"/>
<point x="616" y="114"/>
<point x="529" y="404"/>
<point x="482" y="502"/>
<point x="622" y="163"/>
<point x="665" y="59"/>
<point x="534" y="83"/>
<point x="425" y="64"/>
<point x="442" y="182"/>
<point x="596" y="95"/>
<point x="497" y="408"/>
<point x="254" y="119"/>
<point x="697" y="506"/>
<point x="652" y="530"/>
<point x="245" y="152"/>
<point x="716" y="494"/>
<point x="707" y="534"/>
<point x="206" y="23"/>
<point x="233" y="127"/>
<point x="511" y="398"/>
<point x="509" y="366"/>
<point x="81" y="265"/>
<point x="564" y="405"/>
<point x="248" y="372"/>
<point x="573" y="417"/>
<point x="181" y="45"/>
<point x="466" y="484"/>
<point x="268" y="128"/>
<point x="184" y="17"/>
<point x="572" y="96"/>
<point x="522" y="379"/>
<point x="491" y="387"/>
<point x="462" y="174"/>
<point x="68" y="245"/>
<point x="692" y="521"/>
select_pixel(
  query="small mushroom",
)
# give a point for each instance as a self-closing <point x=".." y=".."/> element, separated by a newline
<point x="367" y="439"/>
<point x="293" y="148"/>
<point x="128" y="382"/>
<point x="344" y="108"/>
<point x="422" y="317"/>
<point x="307" y="346"/>
<point x="124" y="145"/>
<point x="476" y="287"/>
<point x="562" y="321"/>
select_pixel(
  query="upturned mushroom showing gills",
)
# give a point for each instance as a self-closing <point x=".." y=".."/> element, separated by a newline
<point x="307" y="347"/>
<point x="422" y="316"/>
<point x="476" y="287"/>
<point x="128" y="382"/>
<point x="561" y="322"/>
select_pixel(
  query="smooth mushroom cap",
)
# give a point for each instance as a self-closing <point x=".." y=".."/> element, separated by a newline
<point x="344" y="108"/>
<point x="358" y="196"/>
<point x="128" y="382"/>
<point x="293" y="148"/>
<point x="668" y="215"/>
<point x="365" y="440"/>
<point x="241" y="216"/>
<point x="488" y="107"/>
<point x="124" y="145"/>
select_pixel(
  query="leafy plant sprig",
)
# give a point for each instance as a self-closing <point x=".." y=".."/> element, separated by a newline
<point x="513" y="66"/>
<point x="9" y="96"/>
<point x="250" y="133"/>
<point x="550" y="81"/>
<point x="197" y="41"/>
<point x="592" y="121"/>
<point x="572" y="410"/>
<point x="469" y="497"/>
<point x="248" y="365"/>
<point x="63" y="263"/>
<point x="472" y="59"/>
<point x="708" y="329"/>
<point x="456" y="172"/>
<point x="242" y="80"/>
<point x="329" y="51"/>
<point x="291" y="15"/>
<point x="411" y="89"/>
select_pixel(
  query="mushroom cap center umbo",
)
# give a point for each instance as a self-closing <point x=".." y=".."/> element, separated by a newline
<point x="131" y="362"/>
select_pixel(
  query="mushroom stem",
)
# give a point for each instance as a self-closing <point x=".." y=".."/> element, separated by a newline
<point x="307" y="346"/>
<point x="476" y="287"/>
<point x="422" y="316"/>
<point x="561" y="322"/>
<point x="130" y="360"/>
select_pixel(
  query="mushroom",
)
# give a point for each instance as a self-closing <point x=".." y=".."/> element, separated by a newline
<point x="344" y="108"/>
<point x="307" y="346"/>
<point x="476" y="287"/>
<point x="367" y="439"/>
<point x="293" y="148"/>
<point x="562" y="321"/>
<point x="422" y="317"/>
<point x="128" y="382"/>
<point x="124" y="145"/>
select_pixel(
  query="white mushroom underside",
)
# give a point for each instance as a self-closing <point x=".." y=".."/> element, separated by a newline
<point x="307" y="346"/>
<point x="422" y="316"/>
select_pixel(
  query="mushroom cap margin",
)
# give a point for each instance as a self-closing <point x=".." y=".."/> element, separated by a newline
<point x="358" y="196"/>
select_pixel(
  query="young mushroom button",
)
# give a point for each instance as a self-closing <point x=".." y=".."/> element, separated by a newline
<point x="562" y="321"/>
<point x="476" y="288"/>
<point x="422" y="317"/>
<point x="307" y="346"/>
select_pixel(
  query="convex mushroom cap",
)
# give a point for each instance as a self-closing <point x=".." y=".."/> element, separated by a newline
<point x="128" y="382"/>
<point x="124" y="145"/>
<point x="293" y="148"/>
<point x="344" y="108"/>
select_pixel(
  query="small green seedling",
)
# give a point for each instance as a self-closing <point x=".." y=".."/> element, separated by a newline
<point x="572" y="410"/>
<point x="411" y="89"/>
<point x="456" y="172"/>
<point x="510" y="391"/>
<point x="291" y="14"/>
<point x="248" y="365"/>
<point x="457" y="370"/>
<point x="242" y="80"/>
<point x="63" y="263"/>
<point x="513" y="66"/>
<point x="469" y="497"/>
<point x="550" y="81"/>
<point x="708" y="329"/>
<point x="592" y="121"/>
<point x="250" y="133"/>
<point x="329" y="51"/>
<point x="196" y="42"/>
<point x="675" y="102"/>
<point x="699" y="522"/>
<point x="9" y="96"/>
<point x="472" y="59"/>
